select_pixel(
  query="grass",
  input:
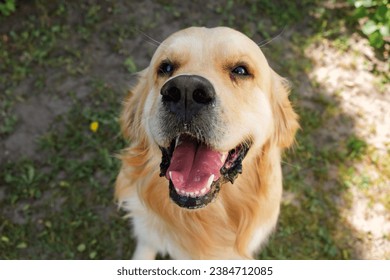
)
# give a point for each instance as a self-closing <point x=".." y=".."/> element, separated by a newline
<point x="59" y="204"/>
<point x="62" y="205"/>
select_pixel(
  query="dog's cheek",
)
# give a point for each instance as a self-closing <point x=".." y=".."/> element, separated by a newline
<point x="132" y="111"/>
<point x="286" y="120"/>
<point x="253" y="120"/>
<point x="151" y="117"/>
<point x="261" y="123"/>
<point x="264" y="123"/>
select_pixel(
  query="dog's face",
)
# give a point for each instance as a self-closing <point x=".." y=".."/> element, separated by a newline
<point x="209" y="98"/>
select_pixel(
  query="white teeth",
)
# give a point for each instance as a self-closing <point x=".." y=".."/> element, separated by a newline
<point x="208" y="185"/>
<point x="223" y="157"/>
<point x="177" y="141"/>
<point x="170" y="174"/>
<point x="192" y="194"/>
<point x="205" y="189"/>
<point x="210" y="181"/>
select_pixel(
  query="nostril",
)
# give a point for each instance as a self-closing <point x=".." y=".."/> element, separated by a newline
<point x="201" y="96"/>
<point x="171" y="94"/>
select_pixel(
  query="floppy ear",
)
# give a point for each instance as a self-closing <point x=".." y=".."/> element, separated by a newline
<point x="286" y="120"/>
<point x="130" y="119"/>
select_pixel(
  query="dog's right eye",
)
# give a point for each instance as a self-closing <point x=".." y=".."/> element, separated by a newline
<point x="240" y="71"/>
<point x="166" y="68"/>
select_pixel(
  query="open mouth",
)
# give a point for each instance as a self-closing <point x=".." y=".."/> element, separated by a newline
<point x="196" y="172"/>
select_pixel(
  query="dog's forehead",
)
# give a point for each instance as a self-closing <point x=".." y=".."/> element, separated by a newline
<point x="204" y="43"/>
<point x="207" y="35"/>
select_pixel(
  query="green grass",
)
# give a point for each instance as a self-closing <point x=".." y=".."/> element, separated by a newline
<point x="64" y="202"/>
<point x="59" y="205"/>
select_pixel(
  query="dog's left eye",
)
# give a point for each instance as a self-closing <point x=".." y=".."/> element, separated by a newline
<point x="166" y="68"/>
<point x="241" y="71"/>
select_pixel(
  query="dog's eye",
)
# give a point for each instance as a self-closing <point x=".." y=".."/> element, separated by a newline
<point x="241" y="71"/>
<point x="166" y="68"/>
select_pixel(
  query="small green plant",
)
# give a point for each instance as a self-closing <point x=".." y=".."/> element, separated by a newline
<point x="8" y="7"/>
<point x="130" y="65"/>
<point x="375" y="18"/>
<point x="356" y="147"/>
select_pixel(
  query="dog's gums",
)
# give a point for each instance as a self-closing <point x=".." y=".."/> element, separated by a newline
<point x="196" y="172"/>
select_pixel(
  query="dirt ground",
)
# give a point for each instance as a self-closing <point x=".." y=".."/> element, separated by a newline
<point x="341" y="84"/>
<point x="347" y="78"/>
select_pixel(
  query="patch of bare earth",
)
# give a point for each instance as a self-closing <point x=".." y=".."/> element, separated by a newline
<point x="347" y="77"/>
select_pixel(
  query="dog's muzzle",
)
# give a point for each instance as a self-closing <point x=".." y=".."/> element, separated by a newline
<point x="195" y="170"/>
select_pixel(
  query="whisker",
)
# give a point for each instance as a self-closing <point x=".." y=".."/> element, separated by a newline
<point x="152" y="41"/>
<point x="289" y="164"/>
<point x="268" y="41"/>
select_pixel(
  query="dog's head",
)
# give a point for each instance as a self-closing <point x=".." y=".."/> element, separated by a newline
<point x="207" y="99"/>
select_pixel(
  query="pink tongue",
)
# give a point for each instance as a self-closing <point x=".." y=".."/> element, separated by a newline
<point x="192" y="165"/>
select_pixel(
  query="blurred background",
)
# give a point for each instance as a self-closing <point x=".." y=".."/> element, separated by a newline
<point x="65" y="67"/>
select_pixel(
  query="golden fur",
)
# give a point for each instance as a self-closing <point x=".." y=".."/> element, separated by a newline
<point x="255" y="109"/>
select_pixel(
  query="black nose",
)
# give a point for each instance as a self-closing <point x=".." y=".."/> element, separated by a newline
<point x="187" y="95"/>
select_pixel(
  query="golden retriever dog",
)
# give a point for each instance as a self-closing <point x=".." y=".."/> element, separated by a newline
<point x="207" y="123"/>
